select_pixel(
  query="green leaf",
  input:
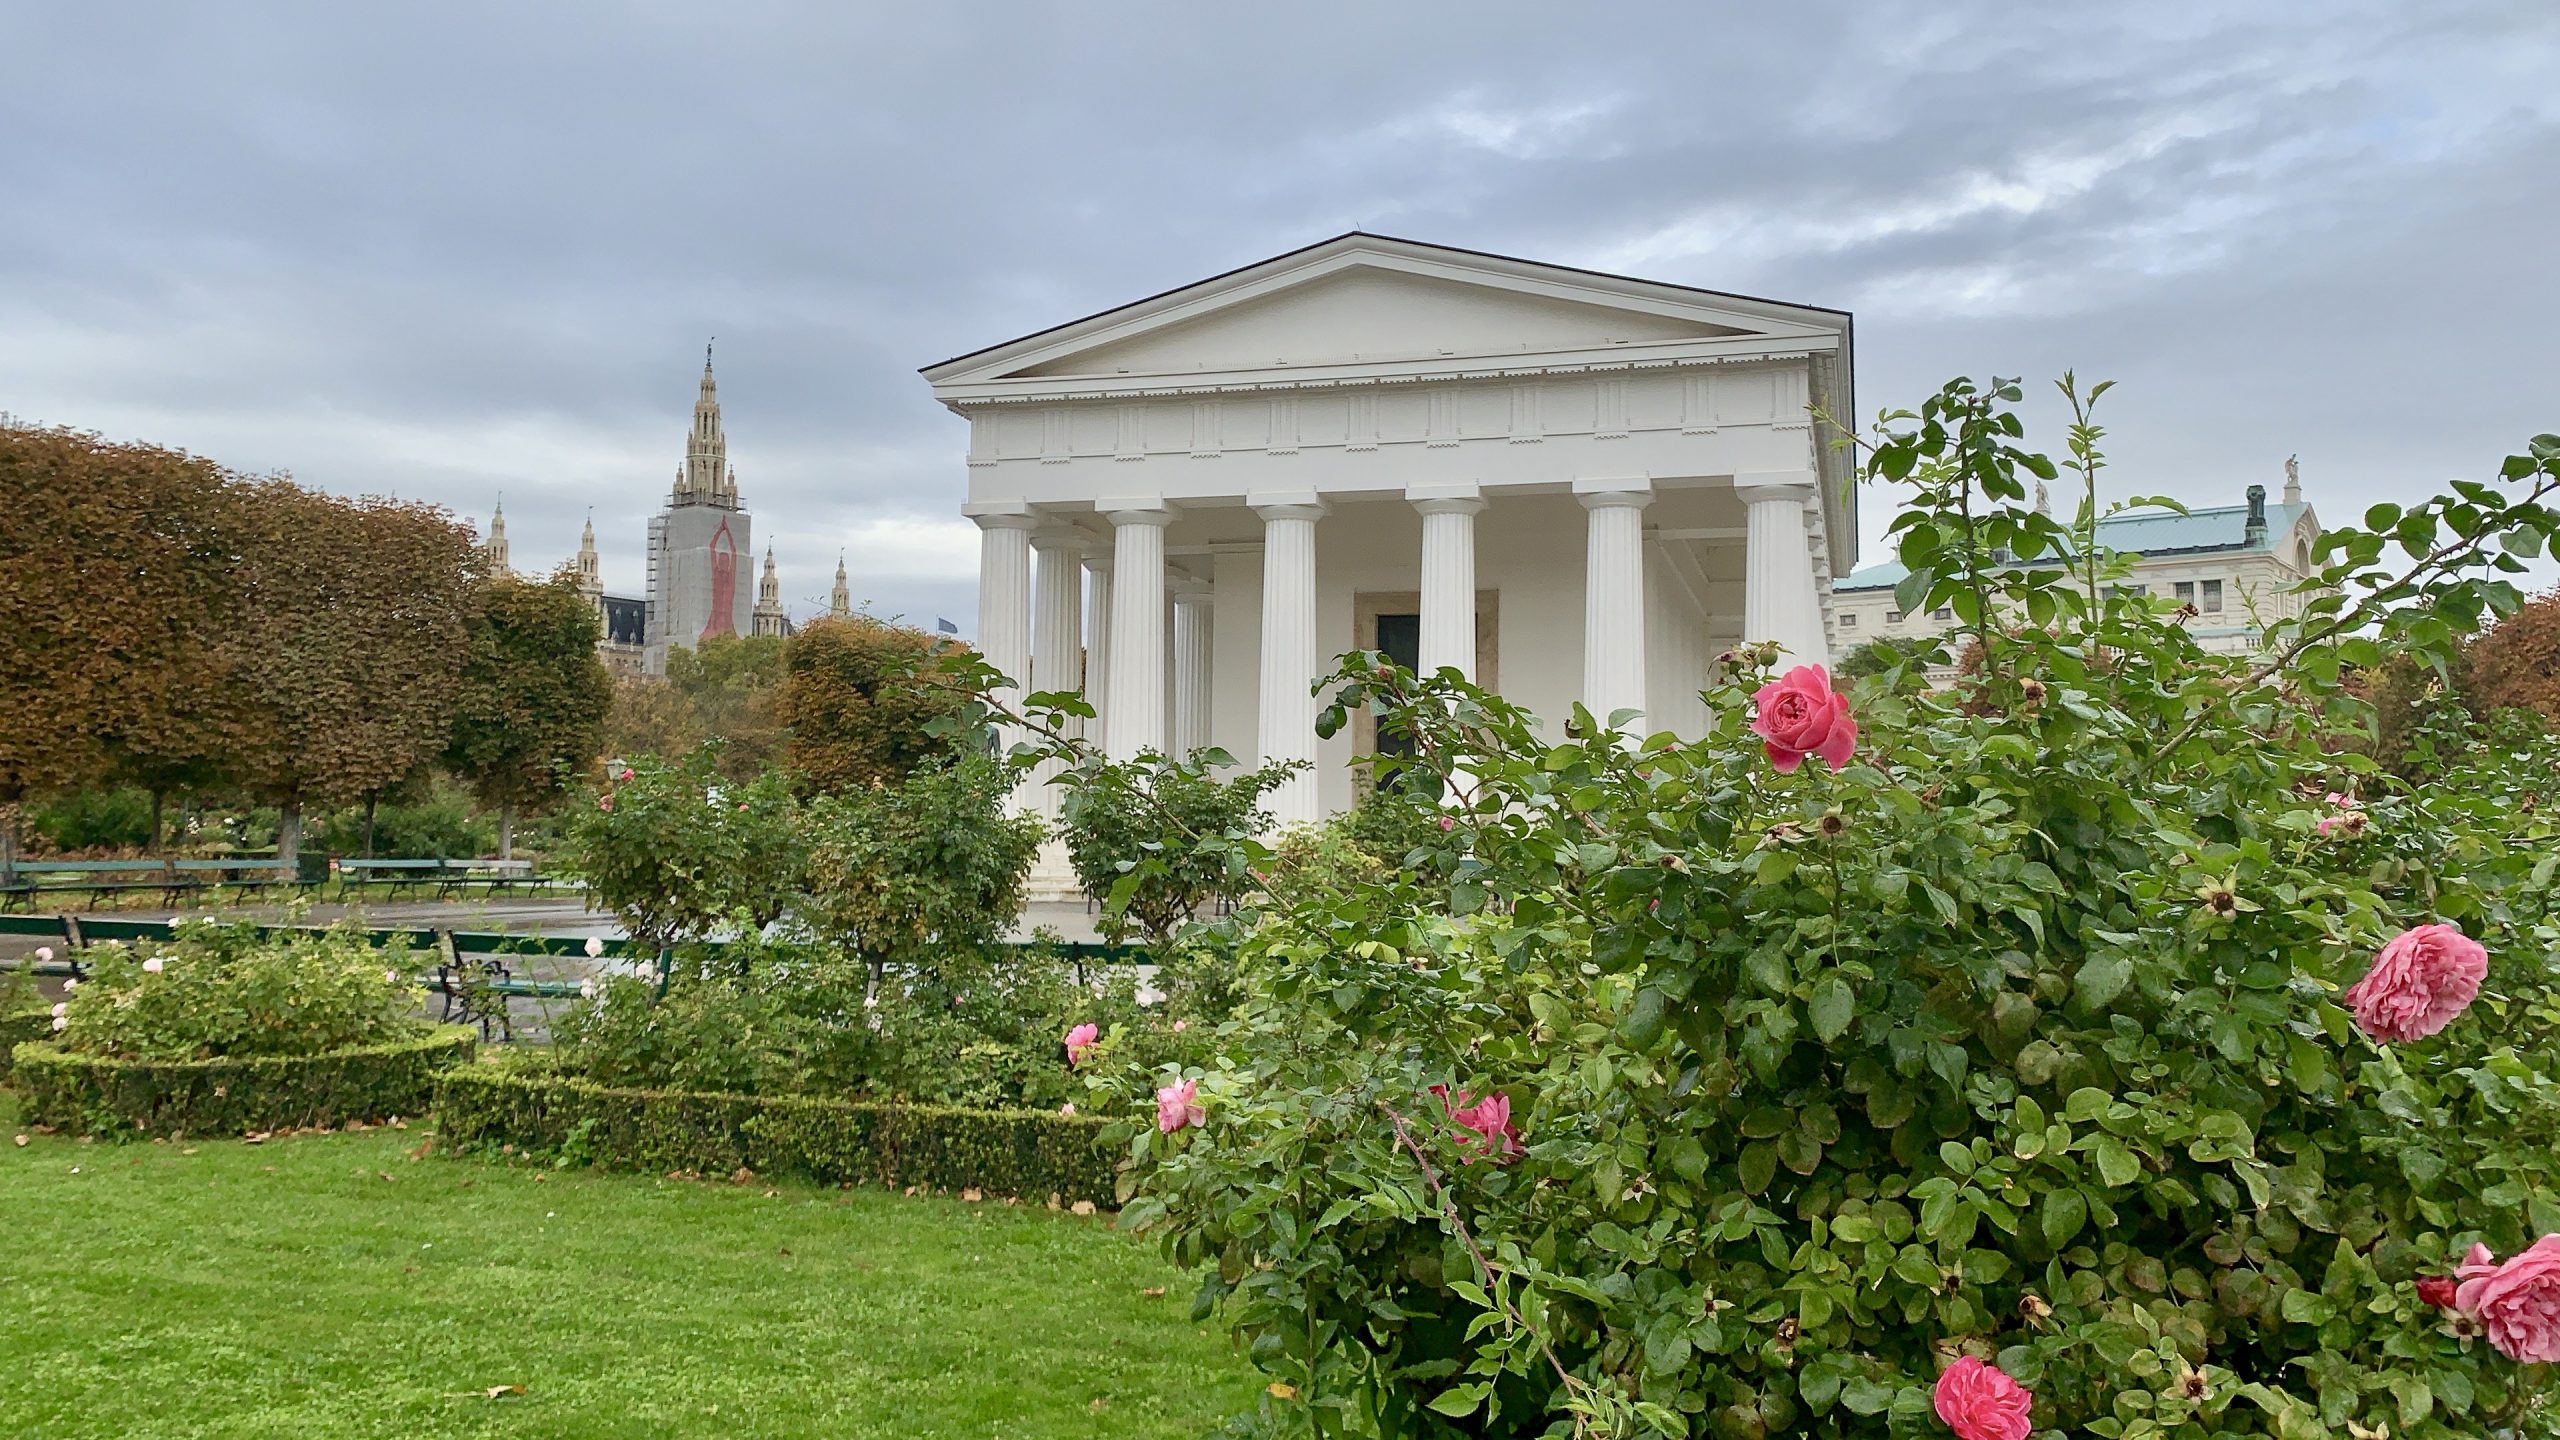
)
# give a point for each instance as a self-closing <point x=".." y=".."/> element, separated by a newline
<point x="2061" y="1215"/>
<point x="1643" y="1022"/>
<point x="1757" y="1167"/>
<point x="1461" y="1399"/>
<point x="2101" y="979"/>
<point x="1833" y="1006"/>
<point x="2116" y="1164"/>
<point x="1866" y="1397"/>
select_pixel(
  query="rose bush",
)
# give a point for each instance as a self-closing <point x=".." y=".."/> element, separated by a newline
<point x="2018" y="1039"/>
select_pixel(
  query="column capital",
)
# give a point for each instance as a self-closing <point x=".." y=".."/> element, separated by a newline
<point x="1756" y="487"/>
<point x="1062" y="541"/>
<point x="1288" y="505"/>
<point x="1445" y="499"/>
<point x="1632" y="492"/>
<point x="1002" y="514"/>
<point x="1136" y="510"/>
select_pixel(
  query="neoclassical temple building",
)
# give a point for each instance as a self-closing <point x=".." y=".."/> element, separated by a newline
<point x="1570" y="486"/>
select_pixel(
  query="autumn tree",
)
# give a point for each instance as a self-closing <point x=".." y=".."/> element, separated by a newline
<point x="113" y="579"/>
<point x="2516" y="665"/>
<point x="726" y="689"/>
<point x="344" y="657"/>
<point x="857" y="706"/>
<point x="528" y="713"/>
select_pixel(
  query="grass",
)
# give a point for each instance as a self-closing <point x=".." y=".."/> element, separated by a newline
<point x="335" y="1286"/>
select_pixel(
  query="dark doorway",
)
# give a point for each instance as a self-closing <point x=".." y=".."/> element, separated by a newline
<point x="1400" y="640"/>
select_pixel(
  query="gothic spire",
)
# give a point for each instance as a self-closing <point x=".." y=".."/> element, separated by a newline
<point x="841" y="603"/>
<point x="705" y="479"/>
<point x="496" y="546"/>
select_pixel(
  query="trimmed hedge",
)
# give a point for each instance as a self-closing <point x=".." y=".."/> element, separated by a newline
<point x="1026" y="1153"/>
<point x="18" y="1027"/>
<point x="79" y="1093"/>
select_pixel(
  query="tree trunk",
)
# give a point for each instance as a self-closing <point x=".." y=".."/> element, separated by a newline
<point x="506" y="829"/>
<point x="8" y="842"/>
<point x="370" y="801"/>
<point x="289" y="831"/>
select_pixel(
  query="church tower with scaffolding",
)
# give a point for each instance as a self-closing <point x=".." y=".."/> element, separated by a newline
<point x="702" y="579"/>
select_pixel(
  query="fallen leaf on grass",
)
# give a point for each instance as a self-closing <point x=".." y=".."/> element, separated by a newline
<point x="741" y="1175"/>
<point x="494" y="1392"/>
<point x="22" y="1139"/>
<point x="1153" y="1292"/>
<point x="387" y="1175"/>
<point x="425" y="1148"/>
<point x="1081" y="1207"/>
<point x="1100" y="1403"/>
<point x="260" y="1137"/>
<point x="972" y="1195"/>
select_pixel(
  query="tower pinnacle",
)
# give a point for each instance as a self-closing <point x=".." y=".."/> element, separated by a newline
<point x="840" y="604"/>
<point x="496" y="545"/>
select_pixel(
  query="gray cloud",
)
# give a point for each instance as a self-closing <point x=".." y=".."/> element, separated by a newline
<point x="448" y="251"/>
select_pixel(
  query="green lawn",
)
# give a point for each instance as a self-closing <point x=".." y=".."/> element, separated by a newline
<point x="333" y="1286"/>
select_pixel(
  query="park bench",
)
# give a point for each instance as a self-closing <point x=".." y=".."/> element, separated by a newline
<point x="490" y="875"/>
<point x="239" y="874"/>
<point x="96" y="878"/>
<point x="449" y="877"/>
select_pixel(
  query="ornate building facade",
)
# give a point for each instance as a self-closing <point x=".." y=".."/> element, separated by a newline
<point x="701" y="579"/>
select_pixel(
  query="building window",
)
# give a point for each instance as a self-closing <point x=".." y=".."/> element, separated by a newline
<point x="1942" y="614"/>
<point x="2213" y="597"/>
<point x="1893" y="617"/>
<point x="1848" y="619"/>
<point x="2186" y="592"/>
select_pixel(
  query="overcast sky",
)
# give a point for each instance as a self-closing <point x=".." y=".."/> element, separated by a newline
<point x="447" y="251"/>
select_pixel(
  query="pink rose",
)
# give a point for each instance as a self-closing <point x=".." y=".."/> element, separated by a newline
<point x="44" y="954"/>
<point x="1486" y="1123"/>
<point x="2436" y="1290"/>
<point x="1067" y="1109"/>
<point x="625" y="775"/>
<point x="154" y="965"/>
<point x="1080" y="1042"/>
<point x="1799" y="714"/>
<point x="1178" y="1106"/>
<point x="2517" y="1303"/>
<point x="605" y="803"/>
<point x="1978" y="1402"/>
<point x="1181" y="1025"/>
<point x="1447" y="824"/>
<point x="2419" y="984"/>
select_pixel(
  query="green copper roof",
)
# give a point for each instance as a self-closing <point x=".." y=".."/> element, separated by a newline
<point x="2150" y="532"/>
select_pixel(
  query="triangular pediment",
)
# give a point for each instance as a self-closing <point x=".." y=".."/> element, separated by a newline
<point x="1363" y="313"/>
<point x="1360" y="301"/>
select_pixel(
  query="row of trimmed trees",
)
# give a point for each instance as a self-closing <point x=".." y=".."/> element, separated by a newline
<point x="179" y="628"/>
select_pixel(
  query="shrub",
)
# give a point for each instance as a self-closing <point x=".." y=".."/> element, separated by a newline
<point x="974" y="1027"/>
<point x="226" y="991"/>
<point x="928" y="866"/>
<point x="85" y="1093"/>
<point x="680" y="853"/>
<point x="1157" y="839"/>
<point x="1006" y="1153"/>
<point x="93" y="819"/>
<point x="18" y="1026"/>
<point x="1740" y="1091"/>
<point x="860" y="705"/>
<point x="2516" y="665"/>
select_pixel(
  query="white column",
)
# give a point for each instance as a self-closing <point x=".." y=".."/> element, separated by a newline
<point x="1192" y="619"/>
<point x="1004" y="600"/>
<point x="1613" y="594"/>
<point x="1097" y="649"/>
<point x="1136" y="719"/>
<point x="1448" y="576"/>
<point x="1779" y="598"/>
<point x="1057" y="638"/>
<point x="1288" y="729"/>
